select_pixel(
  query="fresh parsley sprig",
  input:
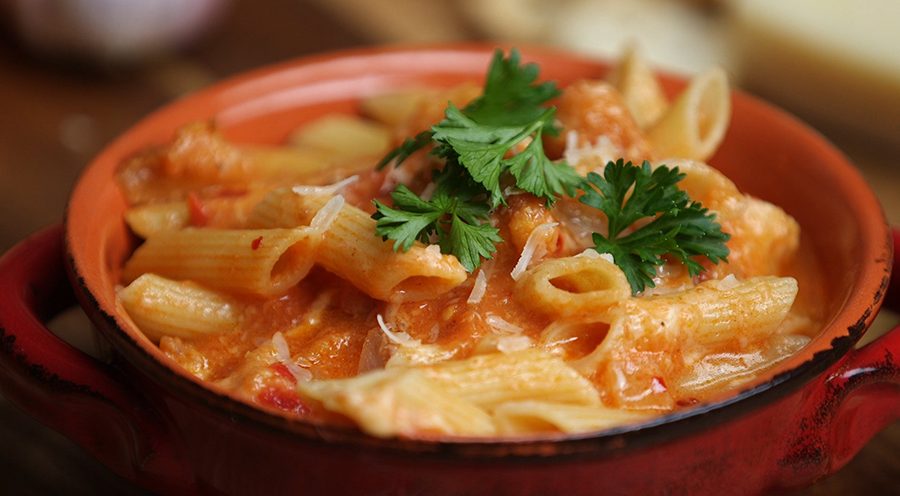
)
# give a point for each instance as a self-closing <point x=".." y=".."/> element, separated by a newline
<point x="493" y="141"/>
<point x="680" y="227"/>
<point x="496" y="141"/>
<point x="456" y="216"/>
<point x="485" y="151"/>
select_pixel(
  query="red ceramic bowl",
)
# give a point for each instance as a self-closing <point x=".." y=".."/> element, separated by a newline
<point x="153" y="423"/>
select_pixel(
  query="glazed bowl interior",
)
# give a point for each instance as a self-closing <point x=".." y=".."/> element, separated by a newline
<point x="767" y="153"/>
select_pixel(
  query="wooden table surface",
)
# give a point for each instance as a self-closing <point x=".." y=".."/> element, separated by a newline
<point x="54" y="118"/>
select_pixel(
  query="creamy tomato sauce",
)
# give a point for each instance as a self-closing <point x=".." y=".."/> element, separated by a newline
<point x="325" y="328"/>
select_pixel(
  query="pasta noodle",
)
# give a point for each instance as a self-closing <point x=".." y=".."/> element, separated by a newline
<point x="639" y="88"/>
<point x="281" y="273"/>
<point x="695" y="124"/>
<point x="573" y="286"/>
<point x="162" y="307"/>
<point x="256" y="261"/>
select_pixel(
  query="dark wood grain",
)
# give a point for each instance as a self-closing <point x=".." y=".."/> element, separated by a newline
<point x="54" y="117"/>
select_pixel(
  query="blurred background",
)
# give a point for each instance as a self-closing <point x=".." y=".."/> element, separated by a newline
<point x="76" y="73"/>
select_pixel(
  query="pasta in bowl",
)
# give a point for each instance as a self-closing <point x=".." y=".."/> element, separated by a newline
<point x="503" y="272"/>
<point x="173" y="432"/>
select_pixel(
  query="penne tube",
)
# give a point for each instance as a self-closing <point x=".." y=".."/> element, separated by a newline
<point x="654" y="340"/>
<point x="282" y="208"/>
<point x="395" y="109"/>
<point x="531" y="417"/>
<point x="400" y="402"/>
<point x="695" y="124"/>
<point x="255" y="261"/>
<point x="345" y="136"/>
<point x="162" y="307"/>
<point x="351" y="250"/>
<point x="154" y="218"/>
<point x="493" y="379"/>
<point x="640" y="90"/>
<point x="574" y="337"/>
<point x="582" y="285"/>
<point x="716" y="371"/>
<point x="307" y="165"/>
<point x="222" y="212"/>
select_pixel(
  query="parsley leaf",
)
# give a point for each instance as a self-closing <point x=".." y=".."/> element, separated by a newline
<point x="456" y="215"/>
<point x="407" y="148"/>
<point x="494" y="141"/>
<point x="510" y="95"/>
<point x="680" y="227"/>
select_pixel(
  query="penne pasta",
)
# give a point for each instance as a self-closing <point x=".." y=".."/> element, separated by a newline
<point x="351" y="250"/>
<point x="162" y="307"/>
<point x="401" y="402"/>
<point x="694" y="125"/>
<point x="651" y="339"/>
<point x="345" y="137"/>
<point x="492" y="379"/>
<point x="570" y="286"/>
<point x="154" y="218"/>
<point x="640" y="90"/>
<point x="302" y="278"/>
<point x="254" y="261"/>
<point x="536" y="416"/>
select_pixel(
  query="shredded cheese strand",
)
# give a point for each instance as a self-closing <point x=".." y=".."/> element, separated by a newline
<point x="283" y="353"/>
<point x="327" y="214"/>
<point x="399" y="338"/>
<point x="511" y="344"/>
<point x="592" y="253"/>
<point x="479" y="288"/>
<point x="502" y="325"/>
<point x="329" y="189"/>
<point x="533" y="249"/>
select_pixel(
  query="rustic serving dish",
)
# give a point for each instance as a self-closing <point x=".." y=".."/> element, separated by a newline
<point x="151" y="422"/>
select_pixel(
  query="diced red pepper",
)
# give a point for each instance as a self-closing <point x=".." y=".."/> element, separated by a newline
<point x="196" y="210"/>
<point x="255" y="243"/>
<point x="283" y="400"/>
<point x="282" y="370"/>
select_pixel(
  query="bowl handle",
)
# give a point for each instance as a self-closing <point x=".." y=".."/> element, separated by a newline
<point x="66" y="389"/>
<point x="854" y="400"/>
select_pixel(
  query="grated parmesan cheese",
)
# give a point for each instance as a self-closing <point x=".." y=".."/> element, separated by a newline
<point x="534" y="248"/>
<point x="511" y="344"/>
<point x="728" y="282"/>
<point x="479" y="288"/>
<point x="433" y="251"/>
<point x="327" y="214"/>
<point x="592" y="253"/>
<point x="502" y="325"/>
<point x="602" y="151"/>
<point x="398" y="338"/>
<point x="283" y="354"/>
<point x="325" y="190"/>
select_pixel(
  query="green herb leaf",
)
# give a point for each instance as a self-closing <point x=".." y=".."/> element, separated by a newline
<point x="456" y="216"/>
<point x="510" y="95"/>
<point x="485" y="151"/>
<point x="407" y="148"/>
<point x="680" y="227"/>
